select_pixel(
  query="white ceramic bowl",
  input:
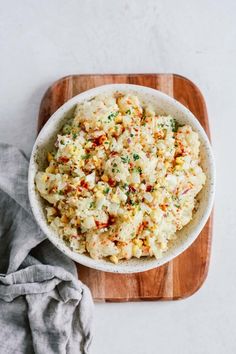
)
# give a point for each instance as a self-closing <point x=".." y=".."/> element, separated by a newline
<point x="164" y="105"/>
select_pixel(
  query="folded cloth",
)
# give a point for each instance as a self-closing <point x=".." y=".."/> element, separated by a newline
<point x="44" y="308"/>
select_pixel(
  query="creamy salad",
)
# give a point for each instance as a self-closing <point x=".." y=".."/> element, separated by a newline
<point x="121" y="180"/>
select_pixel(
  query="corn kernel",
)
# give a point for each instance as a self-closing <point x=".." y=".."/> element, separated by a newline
<point x="135" y="250"/>
<point x="71" y="211"/>
<point x="70" y="149"/>
<point x="50" y="169"/>
<point x="114" y="259"/>
<point x="118" y="119"/>
<point x="89" y="145"/>
<point x="167" y="164"/>
<point x="178" y="168"/>
<point x="115" y="199"/>
<point x="179" y="160"/>
<point x="163" y="245"/>
<point x="50" y="157"/>
<point x="53" y="211"/>
<point x="99" y="194"/>
<point x="98" y="163"/>
<point x="81" y="163"/>
<point x="104" y="178"/>
<point x="64" y="219"/>
<point x="127" y="217"/>
<point x="138" y="242"/>
<point x="44" y="177"/>
<point x="156" y="194"/>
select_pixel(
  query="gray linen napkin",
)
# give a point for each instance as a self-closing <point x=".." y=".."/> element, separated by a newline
<point x="44" y="308"/>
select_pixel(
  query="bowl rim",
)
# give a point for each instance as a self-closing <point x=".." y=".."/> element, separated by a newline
<point x="88" y="261"/>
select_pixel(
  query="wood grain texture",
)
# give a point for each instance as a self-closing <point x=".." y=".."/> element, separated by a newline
<point x="184" y="275"/>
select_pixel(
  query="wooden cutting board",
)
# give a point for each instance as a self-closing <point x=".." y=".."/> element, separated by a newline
<point x="184" y="275"/>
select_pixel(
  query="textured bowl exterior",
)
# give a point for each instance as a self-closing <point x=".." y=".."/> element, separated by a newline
<point x="164" y="105"/>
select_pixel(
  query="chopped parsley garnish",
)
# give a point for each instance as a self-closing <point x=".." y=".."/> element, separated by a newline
<point x="75" y="136"/>
<point x="112" y="115"/>
<point x="62" y="142"/>
<point x="92" y="205"/>
<point x="138" y="169"/>
<point x="132" y="202"/>
<point x="161" y="125"/>
<point x="66" y="129"/>
<point x="61" y="193"/>
<point x="136" y="157"/>
<point x="106" y="190"/>
<point x="128" y="112"/>
<point x="124" y="159"/>
<point x="175" y="125"/>
<point x="85" y="157"/>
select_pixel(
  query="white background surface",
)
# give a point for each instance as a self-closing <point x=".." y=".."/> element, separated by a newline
<point x="41" y="41"/>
